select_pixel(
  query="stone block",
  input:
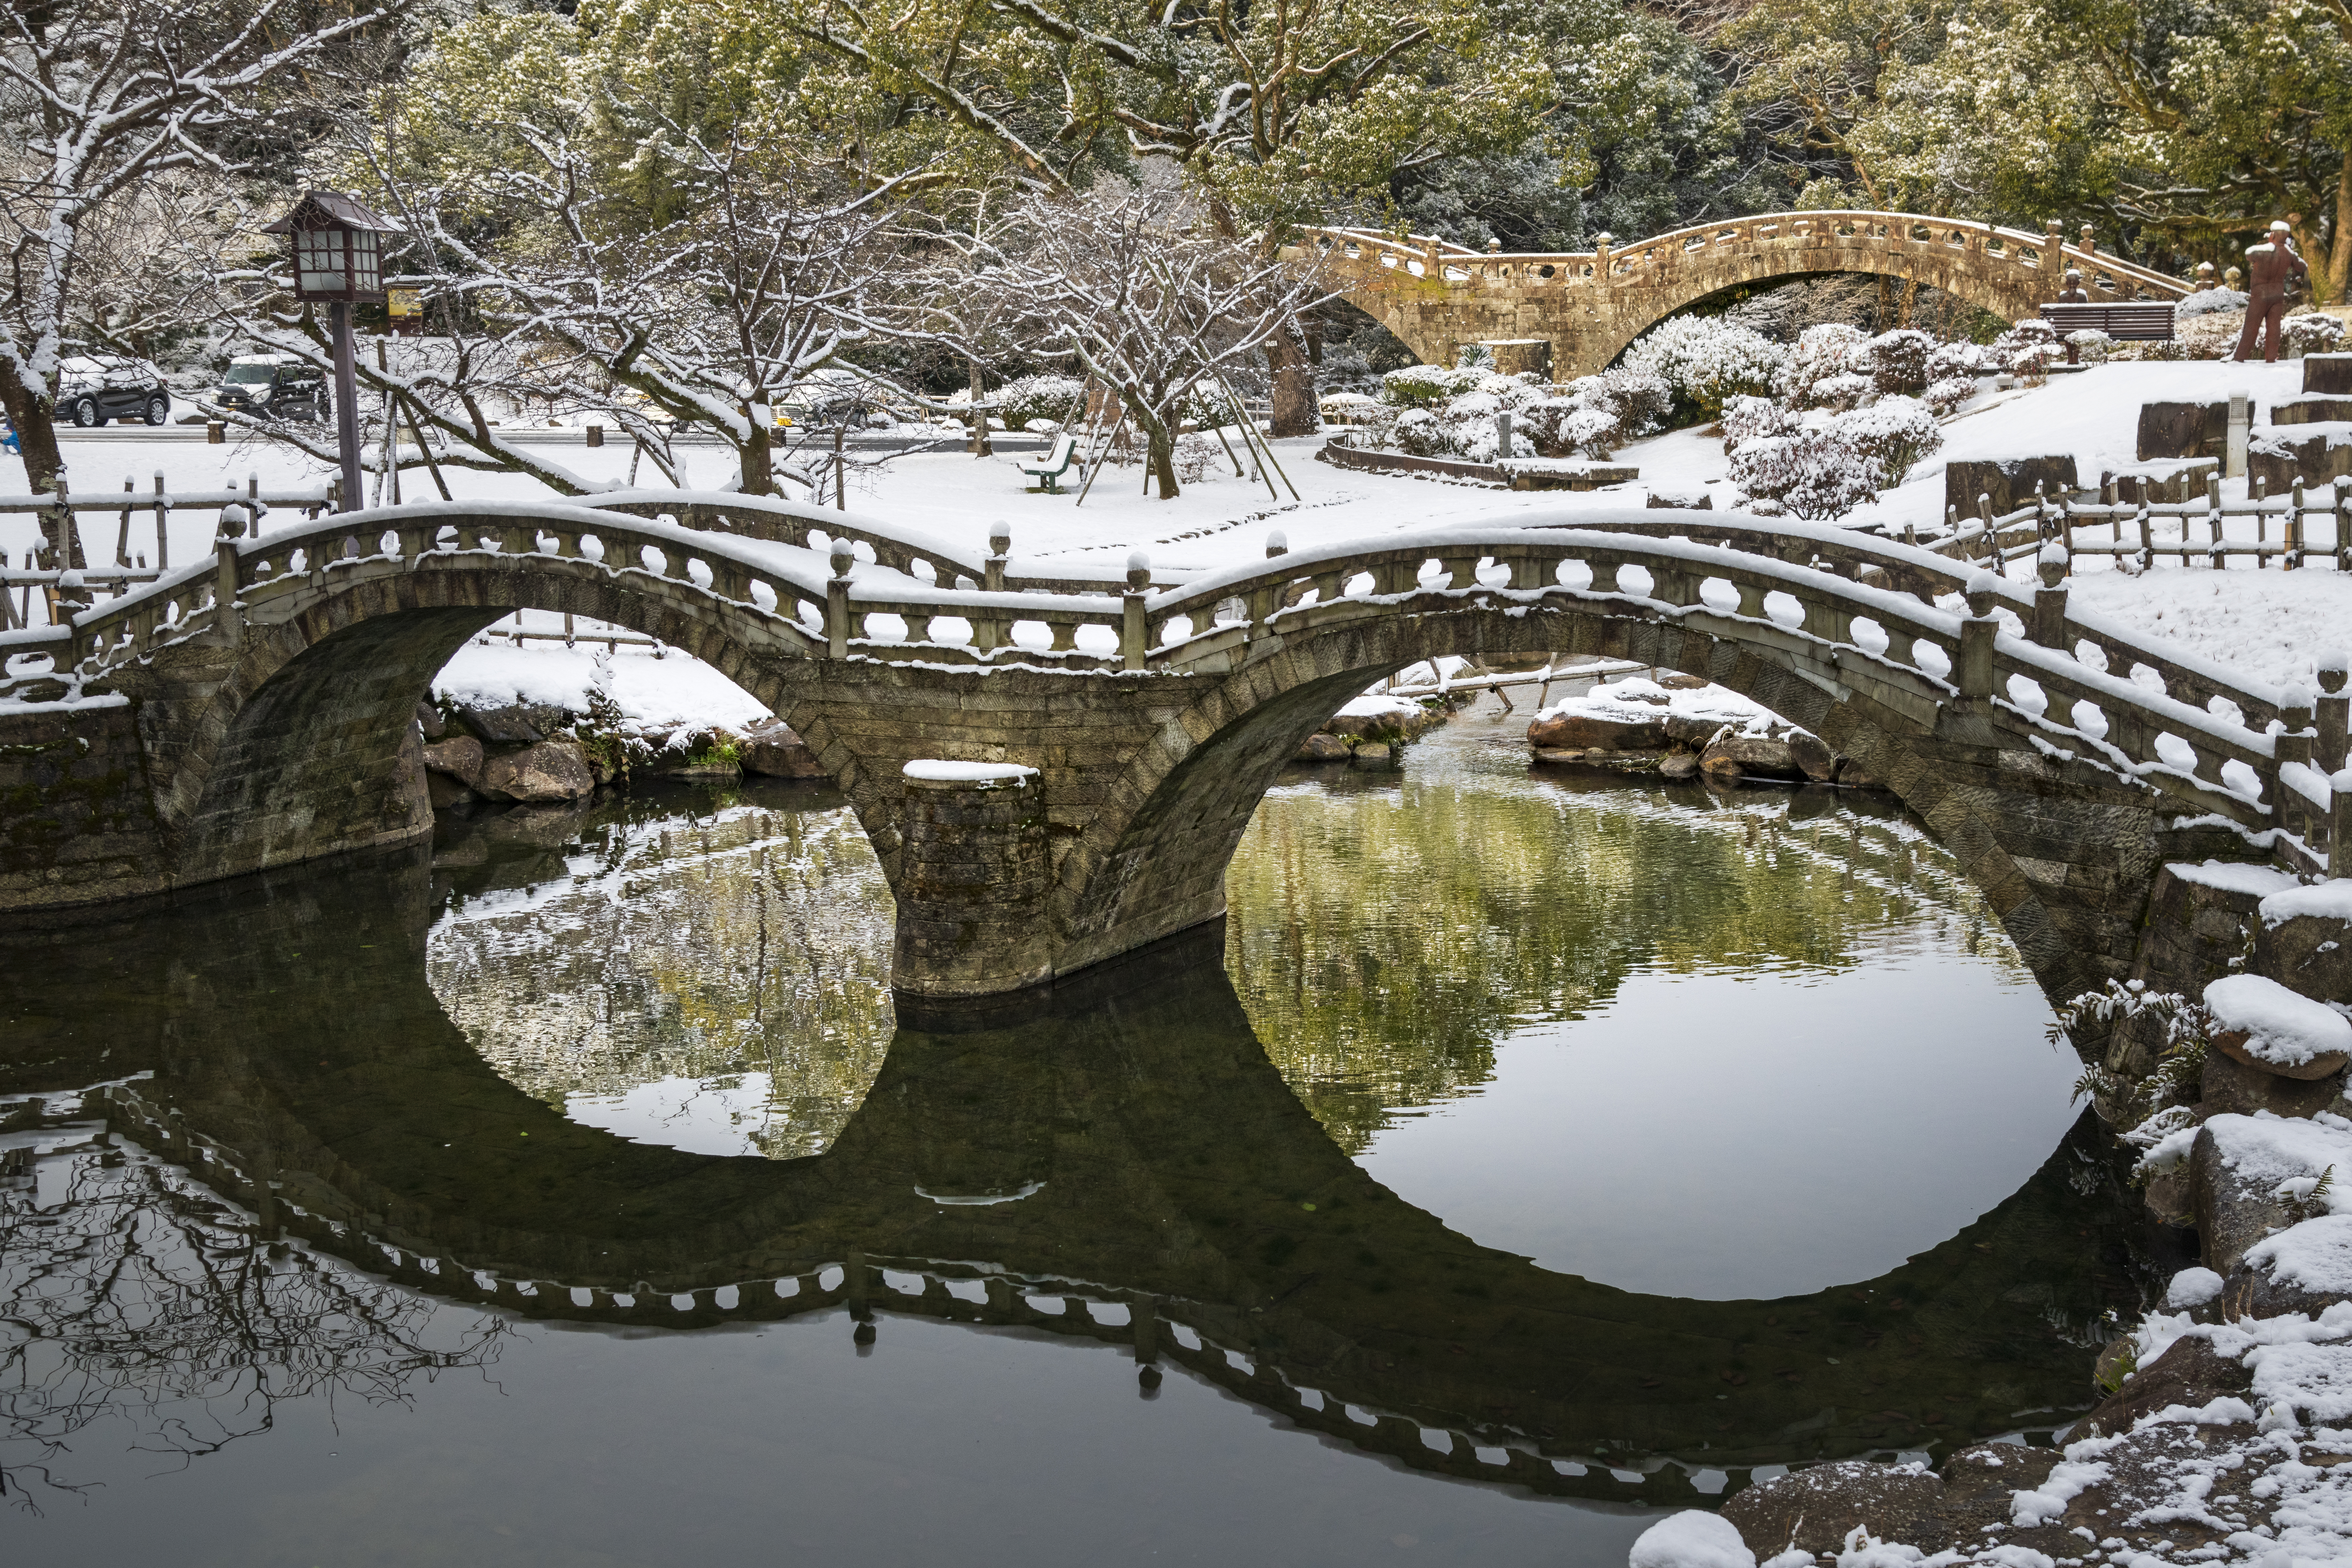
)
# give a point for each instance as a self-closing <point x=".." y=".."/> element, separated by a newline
<point x="2311" y="410"/>
<point x="2278" y="457"/>
<point x="2182" y="430"/>
<point x="2009" y="482"/>
<point x="2328" y="373"/>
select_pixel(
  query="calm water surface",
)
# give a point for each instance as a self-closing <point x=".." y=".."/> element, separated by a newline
<point x="1526" y="1154"/>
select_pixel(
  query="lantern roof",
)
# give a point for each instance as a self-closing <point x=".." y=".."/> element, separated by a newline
<point x="331" y="209"/>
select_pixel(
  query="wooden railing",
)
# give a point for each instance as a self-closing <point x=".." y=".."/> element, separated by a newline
<point x="2313" y="528"/>
<point x="1859" y="611"/>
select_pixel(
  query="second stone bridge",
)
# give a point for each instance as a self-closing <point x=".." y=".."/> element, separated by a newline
<point x="1115" y="737"/>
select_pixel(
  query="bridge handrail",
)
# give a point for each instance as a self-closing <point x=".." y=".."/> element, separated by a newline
<point x="806" y="608"/>
<point x="2187" y="676"/>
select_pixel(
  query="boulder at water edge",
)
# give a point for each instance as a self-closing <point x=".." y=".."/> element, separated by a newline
<point x="460" y="758"/>
<point x="1582" y="732"/>
<point x="551" y="771"/>
<point x="772" y="747"/>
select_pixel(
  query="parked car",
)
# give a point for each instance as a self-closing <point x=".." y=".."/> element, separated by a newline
<point x="95" y="388"/>
<point x="278" y="386"/>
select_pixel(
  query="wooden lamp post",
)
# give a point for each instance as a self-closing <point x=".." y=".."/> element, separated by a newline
<point x="339" y="260"/>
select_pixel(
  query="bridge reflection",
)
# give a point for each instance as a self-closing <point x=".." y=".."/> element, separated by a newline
<point x="1120" y="1162"/>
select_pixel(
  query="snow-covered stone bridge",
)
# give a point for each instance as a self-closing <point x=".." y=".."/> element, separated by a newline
<point x="257" y="710"/>
<point x="1590" y="304"/>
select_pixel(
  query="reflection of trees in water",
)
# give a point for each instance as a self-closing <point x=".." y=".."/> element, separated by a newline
<point x="1384" y="941"/>
<point x="135" y="1303"/>
<point x="745" y="950"/>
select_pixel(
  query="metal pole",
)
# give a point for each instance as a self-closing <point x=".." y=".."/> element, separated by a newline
<point x="347" y="403"/>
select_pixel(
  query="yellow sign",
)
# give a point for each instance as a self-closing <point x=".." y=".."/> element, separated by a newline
<point x="404" y="301"/>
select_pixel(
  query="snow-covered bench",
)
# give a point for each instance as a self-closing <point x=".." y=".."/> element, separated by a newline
<point x="1057" y="461"/>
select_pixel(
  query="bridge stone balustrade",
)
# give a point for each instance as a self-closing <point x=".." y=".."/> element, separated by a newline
<point x="256" y="711"/>
<point x="1589" y="305"/>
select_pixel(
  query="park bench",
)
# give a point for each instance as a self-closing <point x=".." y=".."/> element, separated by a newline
<point x="2143" y="323"/>
<point x="1056" y="463"/>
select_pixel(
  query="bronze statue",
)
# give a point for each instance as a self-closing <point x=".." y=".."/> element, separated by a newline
<point x="2269" y="268"/>
<point x="2074" y="293"/>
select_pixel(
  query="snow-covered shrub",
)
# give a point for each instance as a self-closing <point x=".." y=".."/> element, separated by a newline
<point x="1823" y="472"/>
<point x="1839" y="393"/>
<point x="2313" y="335"/>
<point x="1898" y="359"/>
<point x="2090" y="345"/>
<point x="1960" y="359"/>
<point x="1564" y="428"/>
<point x="1425" y="385"/>
<point x="1423" y="435"/>
<point x="1706" y="359"/>
<point x="2028" y="349"/>
<point x="1747" y="419"/>
<point x="1636" y="402"/>
<point x="2205" y="301"/>
<point x="1891" y="435"/>
<point x="1028" y="397"/>
<point x="1946" y="397"/>
<point x="1811" y="473"/>
<point x="1823" y="352"/>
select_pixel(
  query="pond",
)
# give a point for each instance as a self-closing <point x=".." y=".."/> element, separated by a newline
<point x="1524" y="1154"/>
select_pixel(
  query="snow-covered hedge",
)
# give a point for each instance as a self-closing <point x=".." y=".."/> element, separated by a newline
<point x="1028" y="397"/>
<point x="1945" y="397"/>
<point x="1707" y="359"/>
<point x="2313" y="334"/>
<point x="1822" y="472"/>
<point x="2207" y="301"/>
<point x="1823" y="354"/>
<point x="1898" y="359"/>
<point x="1960" y="359"/>
<point x="1747" y="419"/>
<point x="1426" y="385"/>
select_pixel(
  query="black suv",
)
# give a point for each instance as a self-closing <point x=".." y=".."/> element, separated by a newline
<point x="95" y="388"/>
<point x="276" y="386"/>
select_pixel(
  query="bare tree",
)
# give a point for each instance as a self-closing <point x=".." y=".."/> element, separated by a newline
<point x="96" y="98"/>
<point x="1137" y="288"/>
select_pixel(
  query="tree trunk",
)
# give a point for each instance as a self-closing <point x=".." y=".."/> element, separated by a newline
<point x="758" y="459"/>
<point x="979" y="444"/>
<point x="1161" y="458"/>
<point x="2332" y="283"/>
<point x="1294" y="384"/>
<point x="34" y="421"/>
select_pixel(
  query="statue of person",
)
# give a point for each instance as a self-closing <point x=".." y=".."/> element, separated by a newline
<point x="2270" y="266"/>
<point x="2074" y="293"/>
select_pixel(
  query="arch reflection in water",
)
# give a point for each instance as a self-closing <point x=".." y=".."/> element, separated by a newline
<point x="1179" y="1203"/>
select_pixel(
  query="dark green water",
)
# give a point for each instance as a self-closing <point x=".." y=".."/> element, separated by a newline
<point x="1524" y="1155"/>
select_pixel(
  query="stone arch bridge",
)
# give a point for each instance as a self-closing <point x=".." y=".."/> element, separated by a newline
<point x="256" y="711"/>
<point x="1589" y="305"/>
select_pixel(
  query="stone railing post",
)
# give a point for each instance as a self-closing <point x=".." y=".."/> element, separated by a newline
<point x="2332" y="710"/>
<point x="2050" y="599"/>
<point x="228" y="624"/>
<point x="1131" y="647"/>
<point x="974" y="880"/>
<point x="1972" y="671"/>
<point x="1600" y="243"/>
<point x="1000" y="547"/>
<point x="837" y="600"/>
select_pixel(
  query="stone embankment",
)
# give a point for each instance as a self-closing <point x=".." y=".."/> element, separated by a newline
<point x="1682" y="727"/>
<point x="541" y="754"/>
<point x="2221" y="1430"/>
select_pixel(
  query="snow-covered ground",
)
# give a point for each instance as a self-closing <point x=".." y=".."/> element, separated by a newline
<point x="2269" y="624"/>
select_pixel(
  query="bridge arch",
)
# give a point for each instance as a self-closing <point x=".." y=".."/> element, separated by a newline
<point x="1589" y="305"/>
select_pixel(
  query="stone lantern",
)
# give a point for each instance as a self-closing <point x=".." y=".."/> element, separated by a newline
<point x="339" y="261"/>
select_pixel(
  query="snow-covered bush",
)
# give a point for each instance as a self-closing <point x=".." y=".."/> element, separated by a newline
<point x="2090" y="345"/>
<point x="1565" y="427"/>
<point x="1891" y="435"/>
<point x="1426" y="385"/>
<point x="1747" y="419"/>
<point x="1960" y="359"/>
<point x="1839" y="393"/>
<point x="1423" y="435"/>
<point x="1809" y="472"/>
<point x="1706" y="359"/>
<point x="2028" y="349"/>
<point x="1946" y="397"/>
<point x="1821" y="473"/>
<point x="2313" y="335"/>
<point x="1898" y="359"/>
<point x="1028" y="397"/>
<point x="2205" y="301"/>
<point x="1823" y="354"/>
<point x="1636" y="402"/>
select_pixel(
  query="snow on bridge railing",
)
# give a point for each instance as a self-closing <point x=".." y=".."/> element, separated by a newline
<point x="2211" y="738"/>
